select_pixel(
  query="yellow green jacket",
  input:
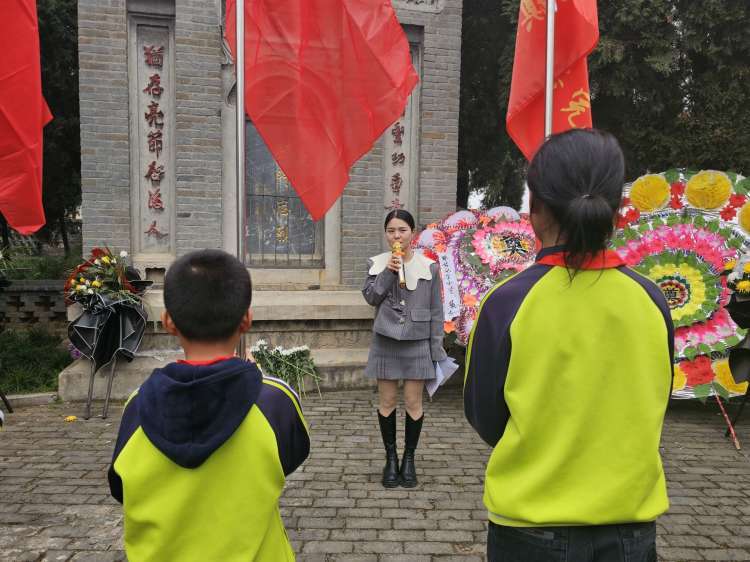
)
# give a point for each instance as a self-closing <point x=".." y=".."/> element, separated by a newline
<point x="569" y="380"/>
<point x="200" y="463"/>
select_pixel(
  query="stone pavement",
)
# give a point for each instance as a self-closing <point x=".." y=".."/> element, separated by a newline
<point x="55" y="505"/>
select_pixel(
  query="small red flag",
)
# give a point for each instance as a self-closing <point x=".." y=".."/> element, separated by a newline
<point x="323" y="80"/>
<point x="576" y="35"/>
<point x="23" y="115"/>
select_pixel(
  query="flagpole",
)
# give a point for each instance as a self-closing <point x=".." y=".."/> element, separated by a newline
<point x="550" y="70"/>
<point x="239" y="67"/>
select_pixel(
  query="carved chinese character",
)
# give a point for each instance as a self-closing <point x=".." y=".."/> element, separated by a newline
<point x="155" y="142"/>
<point x="154" y="55"/>
<point x="282" y="207"/>
<point x="398" y="158"/>
<point x="154" y="86"/>
<point x="397" y="182"/>
<point x="395" y="204"/>
<point x="154" y="200"/>
<point x="397" y="132"/>
<point x="154" y="116"/>
<point x="155" y="173"/>
<point x="153" y="230"/>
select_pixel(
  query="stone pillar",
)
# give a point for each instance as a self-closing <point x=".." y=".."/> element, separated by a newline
<point x="151" y="83"/>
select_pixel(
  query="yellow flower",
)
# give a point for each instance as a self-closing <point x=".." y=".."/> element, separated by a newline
<point x="746" y="269"/>
<point x="71" y="418"/>
<point x="743" y="286"/>
<point x="105" y="259"/>
<point x="96" y="283"/>
<point x="708" y="189"/>
<point x="649" y="192"/>
<point x="680" y="379"/>
<point x="744" y="217"/>
<point x="730" y="265"/>
<point x="694" y="280"/>
<point x="724" y="378"/>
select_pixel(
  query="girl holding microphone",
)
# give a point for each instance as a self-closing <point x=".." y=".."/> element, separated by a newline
<point x="407" y="339"/>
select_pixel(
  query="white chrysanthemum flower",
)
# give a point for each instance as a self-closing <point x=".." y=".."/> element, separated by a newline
<point x="90" y="291"/>
<point x="123" y="254"/>
<point x="97" y="261"/>
<point x="733" y="277"/>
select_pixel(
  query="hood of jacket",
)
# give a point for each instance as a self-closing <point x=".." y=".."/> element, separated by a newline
<point x="188" y="410"/>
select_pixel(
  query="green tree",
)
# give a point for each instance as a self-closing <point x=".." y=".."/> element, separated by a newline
<point x="669" y="78"/>
<point x="635" y="79"/>
<point x="61" y="187"/>
<point x="713" y="130"/>
<point x="487" y="157"/>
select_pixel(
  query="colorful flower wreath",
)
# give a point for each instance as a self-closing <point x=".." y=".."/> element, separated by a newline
<point x="482" y="248"/>
<point x="683" y="229"/>
<point x="102" y="274"/>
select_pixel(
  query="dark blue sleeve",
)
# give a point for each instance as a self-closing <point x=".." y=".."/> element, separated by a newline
<point x="488" y="355"/>
<point x="282" y="409"/>
<point x="130" y="422"/>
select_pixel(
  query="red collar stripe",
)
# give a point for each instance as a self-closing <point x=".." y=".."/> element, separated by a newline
<point x="603" y="260"/>
<point x="205" y="362"/>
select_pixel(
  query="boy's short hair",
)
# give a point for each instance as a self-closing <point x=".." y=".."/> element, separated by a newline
<point x="206" y="293"/>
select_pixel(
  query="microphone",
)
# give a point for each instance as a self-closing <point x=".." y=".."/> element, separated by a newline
<point x="398" y="251"/>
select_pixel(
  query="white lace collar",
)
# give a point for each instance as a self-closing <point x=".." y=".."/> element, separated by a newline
<point x="414" y="270"/>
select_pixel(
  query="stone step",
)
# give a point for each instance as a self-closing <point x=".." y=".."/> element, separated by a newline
<point x="316" y="334"/>
<point x="321" y="319"/>
<point x="341" y="368"/>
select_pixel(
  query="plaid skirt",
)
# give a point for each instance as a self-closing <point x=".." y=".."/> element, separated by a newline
<point x="399" y="359"/>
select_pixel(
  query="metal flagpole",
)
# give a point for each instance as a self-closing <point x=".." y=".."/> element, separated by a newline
<point x="239" y="67"/>
<point x="550" y="71"/>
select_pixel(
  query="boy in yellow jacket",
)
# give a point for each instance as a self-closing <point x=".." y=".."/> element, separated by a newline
<point x="205" y="443"/>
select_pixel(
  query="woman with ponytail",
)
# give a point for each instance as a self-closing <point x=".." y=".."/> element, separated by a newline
<point x="568" y="375"/>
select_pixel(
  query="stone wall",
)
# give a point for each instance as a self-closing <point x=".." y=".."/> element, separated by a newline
<point x="200" y="211"/>
<point x="105" y="149"/>
<point x="34" y="304"/>
<point x="439" y="24"/>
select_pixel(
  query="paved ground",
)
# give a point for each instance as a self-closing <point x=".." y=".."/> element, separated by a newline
<point x="54" y="501"/>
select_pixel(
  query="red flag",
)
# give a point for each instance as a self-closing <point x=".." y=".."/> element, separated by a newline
<point x="576" y="35"/>
<point x="23" y="115"/>
<point x="323" y="80"/>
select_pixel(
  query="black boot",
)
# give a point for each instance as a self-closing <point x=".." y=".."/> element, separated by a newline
<point x="408" y="470"/>
<point x="388" y="432"/>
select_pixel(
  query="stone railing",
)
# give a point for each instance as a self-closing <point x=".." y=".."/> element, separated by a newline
<point x="28" y="304"/>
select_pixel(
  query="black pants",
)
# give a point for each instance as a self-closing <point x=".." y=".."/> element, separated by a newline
<point x="632" y="542"/>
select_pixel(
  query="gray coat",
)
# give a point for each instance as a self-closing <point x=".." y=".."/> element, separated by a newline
<point x="420" y="317"/>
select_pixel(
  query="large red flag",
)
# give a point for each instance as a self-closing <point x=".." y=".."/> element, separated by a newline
<point x="323" y="80"/>
<point x="23" y="114"/>
<point x="576" y="35"/>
